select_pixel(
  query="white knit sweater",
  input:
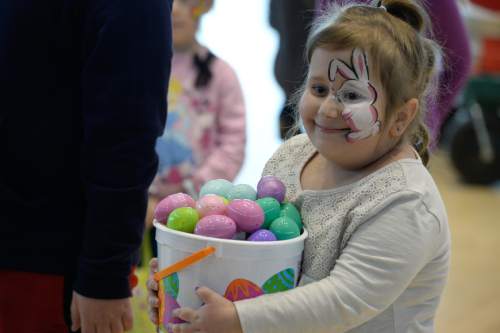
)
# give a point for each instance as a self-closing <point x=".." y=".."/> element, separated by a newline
<point x="376" y="259"/>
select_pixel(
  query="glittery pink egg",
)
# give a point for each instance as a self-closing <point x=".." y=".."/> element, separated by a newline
<point x="270" y="186"/>
<point x="211" y="204"/>
<point x="218" y="226"/>
<point x="247" y="214"/>
<point x="173" y="201"/>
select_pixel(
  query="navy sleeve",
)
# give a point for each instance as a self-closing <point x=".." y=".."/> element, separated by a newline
<point x="126" y="65"/>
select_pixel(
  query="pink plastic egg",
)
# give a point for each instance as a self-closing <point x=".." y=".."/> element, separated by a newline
<point x="270" y="186"/>
<point x="218" y="226"/>
<point x="171" y="202"/>
<point x="211" y="204"/>
<point x="247" y="214"/>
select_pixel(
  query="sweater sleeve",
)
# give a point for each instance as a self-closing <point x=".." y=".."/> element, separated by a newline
<point x="379" y="262"/>
<point x="226" y="160"/>
<point x="126" y="55"/>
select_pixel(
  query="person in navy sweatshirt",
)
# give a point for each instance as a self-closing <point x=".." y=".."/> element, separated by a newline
<point x="82" y="101"/>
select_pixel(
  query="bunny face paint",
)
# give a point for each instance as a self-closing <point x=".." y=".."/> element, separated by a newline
<point x="357" y="95"/>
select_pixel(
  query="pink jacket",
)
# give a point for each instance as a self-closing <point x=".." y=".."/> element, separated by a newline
<point x="205" y="134"/>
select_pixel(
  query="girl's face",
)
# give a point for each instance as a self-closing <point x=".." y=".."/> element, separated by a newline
<point x="343" y="108"/>
<point x="185" y="18"/>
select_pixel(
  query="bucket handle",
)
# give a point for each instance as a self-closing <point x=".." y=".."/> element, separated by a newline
<point x="186" y="262"/>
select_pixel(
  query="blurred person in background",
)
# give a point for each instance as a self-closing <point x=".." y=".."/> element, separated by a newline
<point x="82" y="101"/>
<point x="205" y="134"/>
<point x="291" y="19"/>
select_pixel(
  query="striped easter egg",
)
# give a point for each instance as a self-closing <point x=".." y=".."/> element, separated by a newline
<point x="242" y="289"/>
<point x="282" y="281"/>
<point x="171" y="285"/>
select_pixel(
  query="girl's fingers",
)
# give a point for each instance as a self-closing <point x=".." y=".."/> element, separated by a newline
<point x="186" y="314"/>
<point x="154" y="302"/>
<point x="182" y="328"/>
<point x="153" y="265"/>
<point x="152" y="285"/>
<point x="153" y="316"/>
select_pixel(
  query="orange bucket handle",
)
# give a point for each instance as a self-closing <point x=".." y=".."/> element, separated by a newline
<point x="186" y="262"/>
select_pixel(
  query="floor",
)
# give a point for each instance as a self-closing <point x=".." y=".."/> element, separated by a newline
<point x="471" y="302"/>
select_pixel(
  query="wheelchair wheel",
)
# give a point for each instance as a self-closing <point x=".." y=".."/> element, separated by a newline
<point x="466" y="158"/>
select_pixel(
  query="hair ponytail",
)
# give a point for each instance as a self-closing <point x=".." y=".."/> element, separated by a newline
<point x="420" y="141"/>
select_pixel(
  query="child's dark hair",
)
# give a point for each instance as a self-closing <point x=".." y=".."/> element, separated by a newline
<point x="394" y="35"/>
<point x="202" y="65"/>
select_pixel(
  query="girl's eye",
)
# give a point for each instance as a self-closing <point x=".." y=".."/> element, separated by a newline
<point x="319" y="90"/>
<point x="350" y="96"/>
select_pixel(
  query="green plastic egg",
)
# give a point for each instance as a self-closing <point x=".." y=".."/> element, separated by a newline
<point x="284" y="228"/>
<point x="271" y="208"/>
<point x="289" y="210"/>
<point x="183" y="219"/>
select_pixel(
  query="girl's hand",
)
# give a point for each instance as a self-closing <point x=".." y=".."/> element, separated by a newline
<point x="217" y="315"/>
<point x="152" y="285"/>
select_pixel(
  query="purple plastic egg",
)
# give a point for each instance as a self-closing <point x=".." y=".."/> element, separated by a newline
<point x="247" y="214"/>
<point x="211" y="204"/>
<point x="218" y="226"/>
<point x="265" y="179"/>
<point x="171" y="202"/>
<point x="270" y="186"/>
<point x="262" y="235"/>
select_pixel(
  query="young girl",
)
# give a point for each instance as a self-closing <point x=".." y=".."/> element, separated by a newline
<point x="204" y="136"/>
<point x="378" y="251"/>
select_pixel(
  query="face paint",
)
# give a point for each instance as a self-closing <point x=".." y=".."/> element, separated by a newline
<point x="357" y="96"/>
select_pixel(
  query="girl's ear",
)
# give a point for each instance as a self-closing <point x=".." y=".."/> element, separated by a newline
<point x="360" y="64"/>
<point x="404" y="117"/>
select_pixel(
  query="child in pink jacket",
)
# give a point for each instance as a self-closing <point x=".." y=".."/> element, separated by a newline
<point x="204" y="135"/>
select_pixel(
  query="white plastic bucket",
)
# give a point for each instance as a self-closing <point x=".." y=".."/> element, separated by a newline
<point x="236" y="268"/>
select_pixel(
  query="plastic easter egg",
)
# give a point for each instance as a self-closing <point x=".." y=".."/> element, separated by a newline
<point x="216" y="186"/>
<point x="218" y="226"/>
<point x="289" y="210"/>
<point x="242" y="191"/>
<point x="266" y="179"/>
<point x="271" y="208"/>
<point x="171" y="202"/>
<point x="183" y="219"/>
<point x="262" y="235"/>
<point x="211" y="204"/>
<point x="284" y="228"/>
<point x="167" y="305"/>
<point x="282" y="281"/>
<point x="240" y="289"/>
<point x="246" y="213"/>
<point x="171" y="285"/>
<point x="271" y="187"/>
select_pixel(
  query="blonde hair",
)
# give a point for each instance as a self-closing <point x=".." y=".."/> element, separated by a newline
<point x="395" y="38"/>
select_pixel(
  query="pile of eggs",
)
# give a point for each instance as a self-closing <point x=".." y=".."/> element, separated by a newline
<point x="232" y="211"/>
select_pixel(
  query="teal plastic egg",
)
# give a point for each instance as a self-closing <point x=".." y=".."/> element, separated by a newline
<point x="271" y="208"/>
<point x="242" y="191"/>
<point x="289" y="210"/>
<point x="284" y="228"/>
<point x="219" y="187"/>
<point x="183" y="219"/>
